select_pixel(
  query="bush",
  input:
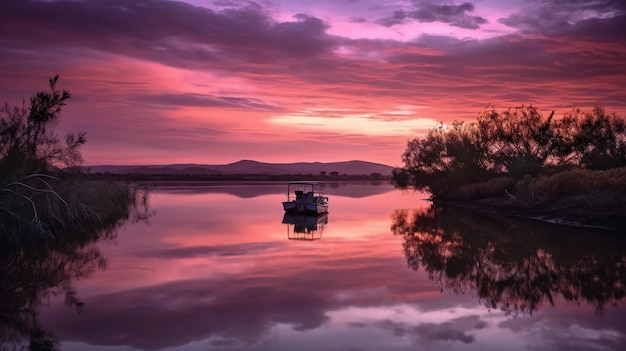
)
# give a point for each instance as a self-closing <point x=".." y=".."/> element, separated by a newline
<point x="41" y="193"/>
<point x="514" y="143"/>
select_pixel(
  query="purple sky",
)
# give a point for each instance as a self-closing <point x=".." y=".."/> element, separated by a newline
<point x="283" y="81"/>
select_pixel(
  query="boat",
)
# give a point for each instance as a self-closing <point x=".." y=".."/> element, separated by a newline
<point x="305" y="227"/>
<point x="305" y="197"/>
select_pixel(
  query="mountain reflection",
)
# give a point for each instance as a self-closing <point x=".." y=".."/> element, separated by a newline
<point x="511" y="264"/>
<point x="354" y="189"/>
<point x="32" y="273"/>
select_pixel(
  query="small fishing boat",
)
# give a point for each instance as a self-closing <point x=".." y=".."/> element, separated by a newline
<point x="305" y="197"/>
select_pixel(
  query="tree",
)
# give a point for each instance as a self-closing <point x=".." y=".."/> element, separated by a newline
<point x="28" y="143"/>
<point x="445" y="158"/>
<point x="35" y="202"/>
<point x="513" y="143"/>
<point x="424" y="162"/>
<point x="598" y="140"/>
<point x="518" y="141"/>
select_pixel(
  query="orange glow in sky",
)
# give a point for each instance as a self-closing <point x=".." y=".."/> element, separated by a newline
<point x="302" y="81"/>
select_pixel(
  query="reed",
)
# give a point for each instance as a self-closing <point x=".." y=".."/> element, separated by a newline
<point x="39" y="207"/>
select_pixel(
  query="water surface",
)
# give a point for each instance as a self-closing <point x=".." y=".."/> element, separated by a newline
<point x="219" y="267"/>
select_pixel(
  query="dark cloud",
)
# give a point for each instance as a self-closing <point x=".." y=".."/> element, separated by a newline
<point x="303" y="37"/>
<point x="398" y="17"/>
<point x="455" y="15"/>
<point x="226" y="3"/>
<point x="505" y="68"/>
<point x="575" y="64"/>
<point x="170" y="32"/>
<point x="198" y="100"/>
<point x="547" y="16"/>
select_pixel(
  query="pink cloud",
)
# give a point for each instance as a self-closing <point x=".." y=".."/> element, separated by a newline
<point x="170" y="81"/>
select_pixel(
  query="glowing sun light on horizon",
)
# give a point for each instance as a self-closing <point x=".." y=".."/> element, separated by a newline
<point x="357" y="123"/>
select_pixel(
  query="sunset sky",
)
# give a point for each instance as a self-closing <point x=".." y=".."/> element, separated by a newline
<point x="217" y="81"/>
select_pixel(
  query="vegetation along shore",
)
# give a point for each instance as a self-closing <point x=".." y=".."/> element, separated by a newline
<point x="568" y="170"/>
<point x="43" y="191"/>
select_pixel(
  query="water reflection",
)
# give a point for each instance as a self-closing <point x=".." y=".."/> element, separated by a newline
<point x="31" y="275"/>
<point x="305" y="227"/>
<point x="357" y="189"/>
<point x="34" y="272"/>
<point x="205" y="275"/>
<point x="510" y="264"/>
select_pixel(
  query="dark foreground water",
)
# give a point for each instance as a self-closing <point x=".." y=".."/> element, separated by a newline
<point x="220" y="268"/>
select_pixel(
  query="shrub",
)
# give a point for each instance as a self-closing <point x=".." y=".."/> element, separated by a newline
<point x="514" y="143"/>
<point x="35" y="202"/>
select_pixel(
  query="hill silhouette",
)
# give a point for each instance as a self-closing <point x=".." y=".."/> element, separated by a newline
<point x="250" y="167"/>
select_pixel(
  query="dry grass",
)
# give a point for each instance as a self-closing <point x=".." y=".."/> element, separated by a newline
<point x="40" y="207"/>
<point x="572" y="183"/>
<point x="492" y="188"/>
<point x="574" y="197"/>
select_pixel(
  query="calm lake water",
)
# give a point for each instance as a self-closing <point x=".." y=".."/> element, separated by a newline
<point x="219" y="267"/>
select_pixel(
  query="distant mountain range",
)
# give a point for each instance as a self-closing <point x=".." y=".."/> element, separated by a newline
<point x="251" y="167"/>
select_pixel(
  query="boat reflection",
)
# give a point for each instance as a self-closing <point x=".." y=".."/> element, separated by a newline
<point x="305" y="227"/>
<point x="510" y="264"/>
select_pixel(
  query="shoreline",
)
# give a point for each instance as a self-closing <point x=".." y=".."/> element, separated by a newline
<point x="572" y="215"/>
<point x="236" y="177"/>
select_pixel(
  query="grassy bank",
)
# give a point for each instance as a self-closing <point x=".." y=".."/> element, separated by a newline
<point x="42" y="207"/>
<point x="574" y="197"/>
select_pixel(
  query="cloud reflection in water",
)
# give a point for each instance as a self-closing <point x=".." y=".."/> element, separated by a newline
<point x="243" y="285"/>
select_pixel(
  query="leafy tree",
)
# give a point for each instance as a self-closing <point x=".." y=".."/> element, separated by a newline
<point x="518" y="141"/>
<point x="513" y="143"/>
<point x="424" y="162"/>
<point x="35" y="202"/>
<point x="467" y="153"/>
<point x="598" y="140"/>
<point x="444" y="159"/>
<point x="28" y="143"/>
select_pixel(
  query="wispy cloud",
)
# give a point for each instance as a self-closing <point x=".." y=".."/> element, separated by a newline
<point x="253" y="69"/>
<point x="198" y="100"/>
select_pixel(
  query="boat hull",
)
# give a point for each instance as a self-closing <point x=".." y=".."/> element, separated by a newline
<point x="304" y="207"/>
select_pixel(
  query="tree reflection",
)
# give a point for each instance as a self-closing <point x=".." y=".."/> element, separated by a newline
<point x="33" y="272"/>
<point x="511" y="264"/>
